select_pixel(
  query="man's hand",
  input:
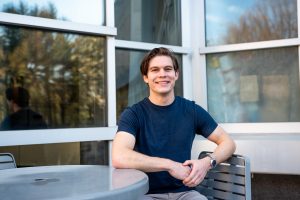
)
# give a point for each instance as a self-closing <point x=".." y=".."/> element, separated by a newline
<point x="179" y="171"/>
<point x="199" y="170"/>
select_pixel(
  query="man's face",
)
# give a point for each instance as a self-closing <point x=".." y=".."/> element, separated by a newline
<point x="10" y="105"/>
<point x="161" y="75"/>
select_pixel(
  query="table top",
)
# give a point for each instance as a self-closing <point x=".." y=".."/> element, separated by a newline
<point x="72" y="182"/>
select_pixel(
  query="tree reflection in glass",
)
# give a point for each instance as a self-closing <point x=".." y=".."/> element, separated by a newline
<point x="254" y="86"/>
<point x="64" y="73"/>
<point x="79" y="11"/>
<point x="231" y="22"/>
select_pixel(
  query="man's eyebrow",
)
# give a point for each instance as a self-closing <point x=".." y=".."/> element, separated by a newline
<point x="160" y="66"/>
<point x="153" y="67"/>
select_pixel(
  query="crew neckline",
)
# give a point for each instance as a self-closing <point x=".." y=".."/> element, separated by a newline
<point x="159" y="106"/>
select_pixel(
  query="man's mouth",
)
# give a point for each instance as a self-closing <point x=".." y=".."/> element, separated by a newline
<point x="162" y="82"/>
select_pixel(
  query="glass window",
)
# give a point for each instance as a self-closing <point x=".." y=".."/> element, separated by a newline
<point x="231" y="21"/>
<point x="156" y="21"/>
<point x="64" y="75"/>
<point x="66" y="10"/>
<point x="131" y="87"/>
<point x="254" y="86"/>
<point x="76" y="153"/>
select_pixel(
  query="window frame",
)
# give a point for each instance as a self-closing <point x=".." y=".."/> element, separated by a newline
<point x="193" y="53"/>
<point x="242" y="129"/>
<point x="46" y="136"/>
<point x="55" y="25"/>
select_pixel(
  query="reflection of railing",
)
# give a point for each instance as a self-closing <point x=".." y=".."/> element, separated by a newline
<point x="7" y="161"/>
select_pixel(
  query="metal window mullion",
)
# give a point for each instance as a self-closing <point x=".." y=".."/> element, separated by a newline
<point x="199" y="61"/>
<point x="111" y="89"/>
<point x="250" y="46"/>
<point x="111" y="73"/>
<point x="132" y="45"/>
<point x="55" y="25"/>
<point x="111" y="66"/>
<point x="186" y="42"/>
<point x="186" y="25"/>
<point x="111" y="81"/>
<point x="262" y="128"/>
<point x="48" y="136"/>
<point x="298" y="15"/>
<point x="110" y="13"/>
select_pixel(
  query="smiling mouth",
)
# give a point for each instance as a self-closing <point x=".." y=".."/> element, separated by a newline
<point x="163" y="82"/>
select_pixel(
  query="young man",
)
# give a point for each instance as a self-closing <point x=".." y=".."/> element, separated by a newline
<point x="156" y="134"/>
<point x="22" y="117"/>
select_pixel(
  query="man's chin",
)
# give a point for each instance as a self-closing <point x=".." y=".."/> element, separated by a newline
<point x="164" y="92"/>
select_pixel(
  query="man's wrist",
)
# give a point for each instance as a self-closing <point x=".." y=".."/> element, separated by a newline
<point x="167" y="165"/>
<point x="212" y="160"/>
<point x="207" y="161"/>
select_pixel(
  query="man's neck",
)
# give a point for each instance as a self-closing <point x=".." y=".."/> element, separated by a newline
<point x="161" y="100"/>
<point x="16" y="108"/>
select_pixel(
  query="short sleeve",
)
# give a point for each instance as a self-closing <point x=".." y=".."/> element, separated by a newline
<point x="128" y="122"/>
<point x="205" y="124"/>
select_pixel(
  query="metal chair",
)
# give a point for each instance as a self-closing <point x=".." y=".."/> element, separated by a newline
<point x="7" y="161"/>
<point x="230" y="180"/>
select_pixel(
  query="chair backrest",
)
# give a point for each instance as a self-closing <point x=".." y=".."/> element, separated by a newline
<point x="7" y="161"/>
<point x="230" y="180"/>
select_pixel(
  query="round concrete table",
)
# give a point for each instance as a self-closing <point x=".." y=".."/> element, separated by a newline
<point x="72" y="182"/>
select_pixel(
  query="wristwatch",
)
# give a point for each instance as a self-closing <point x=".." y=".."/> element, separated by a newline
<point x="213" y="162"/>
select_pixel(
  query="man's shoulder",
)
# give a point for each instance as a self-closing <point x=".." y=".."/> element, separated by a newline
<point x="130" y="119"/>
<point x="26" y="112"/>
<point x="134" y="109"/>
<point x="5" y="124"/>
<point x="190" y="106"/>
<point x="188" y="102"/>
<point x="185" y="102"/>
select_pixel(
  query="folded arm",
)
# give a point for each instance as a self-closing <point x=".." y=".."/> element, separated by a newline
<point x="225" y="148"/>
<point x="225" y="145"/>
<point x="123" y="156"/>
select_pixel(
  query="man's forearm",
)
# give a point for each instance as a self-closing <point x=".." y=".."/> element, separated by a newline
<point x="146" y="163"/>
<point x="127" y="158"/>
<point x="224" y="150"/>
<point x="124" y="156"/>
<point x="225" y="144"/>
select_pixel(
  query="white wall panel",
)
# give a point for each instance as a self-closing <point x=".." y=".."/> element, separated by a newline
<point x="274" y="155"/>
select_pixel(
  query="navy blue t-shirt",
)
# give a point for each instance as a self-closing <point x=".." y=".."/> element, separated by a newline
<point x="166" y="132"/>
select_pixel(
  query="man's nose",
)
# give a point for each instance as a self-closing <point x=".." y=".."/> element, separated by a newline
<point x="162" y="72"/>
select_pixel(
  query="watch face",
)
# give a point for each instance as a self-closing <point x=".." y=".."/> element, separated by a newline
<point x="213" y="163"/>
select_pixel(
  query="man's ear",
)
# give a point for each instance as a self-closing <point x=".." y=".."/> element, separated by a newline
<point x="177" y="74"/>
<point x="145" y="77"/>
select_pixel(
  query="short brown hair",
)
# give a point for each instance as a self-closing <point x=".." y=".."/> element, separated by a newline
<point x="18" y="95"/>
<point x="161" y="51"/>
